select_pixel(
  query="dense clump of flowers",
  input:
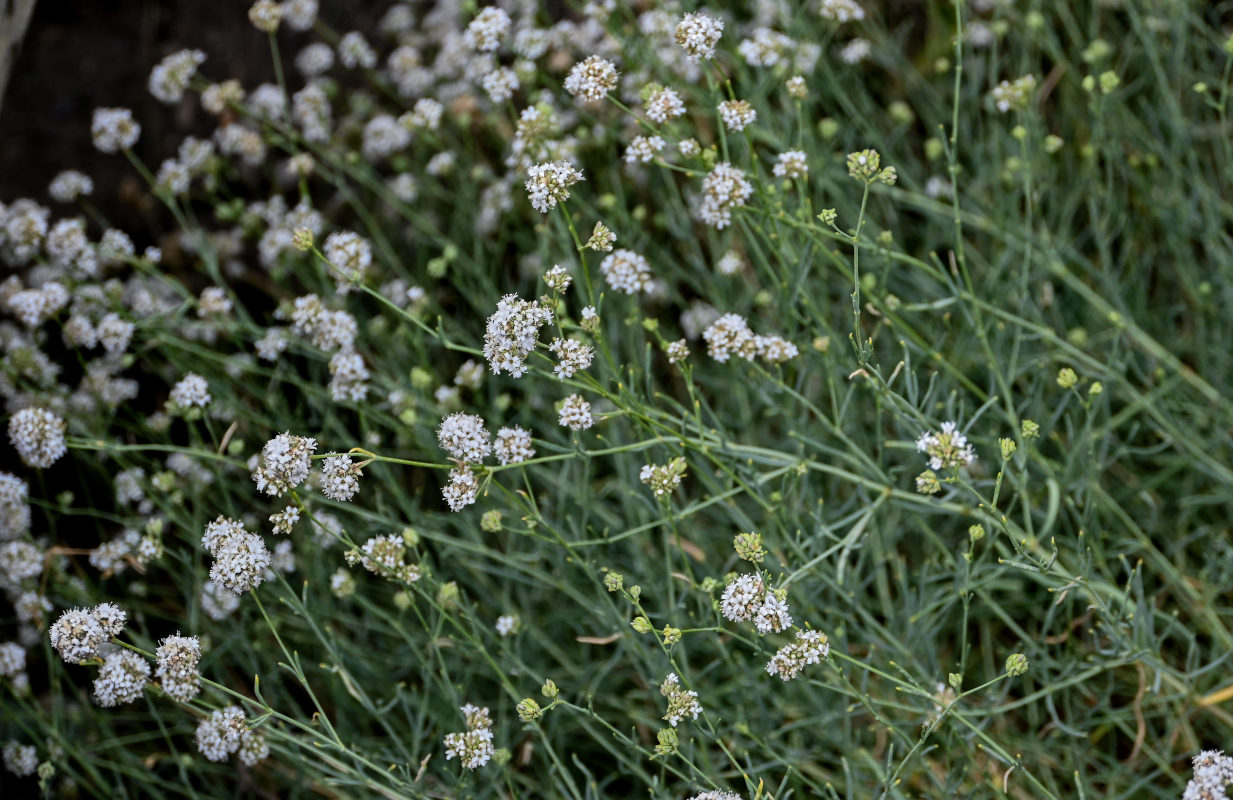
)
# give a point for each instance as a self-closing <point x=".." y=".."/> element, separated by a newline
<point x="663" y="479"/>
<point x="737" y="114"/>
<point x="190" y="392"/>
<point x="485" y="32"/>
<point x="626" y="271"/>
<point x="121" y="679"/>
<point x="79" y="633"/>
<point x="698" y="34"/>
<point x="473" y="747"/>
<point x="114" y="129"/>
<point x="548" y="183"/>
<point x="177" y="667"/>
<point x="511" y="334"/>
<point x="340" y="477"/>
<point x="14" y="507"/>
<point x="682" y="703"/>
<point x="1213" y="772"/>
<point x="572" y="356"/>
<point x="663" y="104"/>
<point x="240" y="558"/>
<point x="38" y="436"/>
<point x="791" y="164"/>
<point x="810" y="647"/>
<point x="171" y="76"/>
<point x="225" y="732"/>
<point x="947" y="448"/>
<point x="724" y="188"/>
<point x="21" y="760"/>
<point x="386" y="556"/>
<point x="592" y="79"/>
<point x="842" y="10"/>
<point x="748" y="598"/>
<point x="464" y="437"/>
<point x="575" y="413"/>
<point x="462" y="489"/>
<point x="1013" y="95"/>
<point x="513" y="445"/>
<point x="284" y="463"/>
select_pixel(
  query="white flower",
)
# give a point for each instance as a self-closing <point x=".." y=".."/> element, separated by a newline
<point x="663" y="105"/>
<point x="548" y="183"/>
<point x="791" y="164"/>
<point x="947" y="448"/>
<point x="487" y="29"/>
<point x="511" y="333"/>
<point x="114" y="129"/>
<point x="626" y="271"/>
<point x="698" y="34"/>
<point x="723" y="189"/>
<point x="171" y="76"/>
<point x="592" y="79"/>
<point x="737" y="114"/>
<point x="38" y="436"/>
<point x="575" y="413"/>
<point x="642" y="149"/>
<point x="464" y="437"/>
<point x="513" y="445"/>
<point x="572" y="356"/>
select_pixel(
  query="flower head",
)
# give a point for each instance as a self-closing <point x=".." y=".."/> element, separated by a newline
<point x="947" y="448"/>
<point x="592" y="79"/>
<point x="698" y="34"/>
<point x="548" y="183"/>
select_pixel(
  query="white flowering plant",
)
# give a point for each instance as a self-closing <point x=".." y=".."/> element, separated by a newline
<point x="729" y="401"/>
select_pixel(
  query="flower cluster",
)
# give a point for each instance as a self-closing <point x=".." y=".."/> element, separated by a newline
<point x="121" y="679"/>
<point x="842" y="10"/>
<point x="947" y="448"/>
<point x="171" y="76"/>
<point x="472" y="747"/>
<point x="487" y="29"/>
<point x="748" y="598"/>
<point x="810" y="647"/>
<point x="663" y="104"/>
<point x="698" y="34"/>
<point x="737" y="114"/>
<point x="225" y="732"/>
<point x="663" y="478"/>
<point x="1013" y="95"/>
<point x="464" y="437"/>
<point x="682" y="703"/>
<point x="240" y="558"/>
<point x="791" y="164"/>
<point x="340" y="477"/>
<point x="21" y="760"/>
<point x="79" y="633"/>
<point x="386" y="556"/>
<point x="592" y="79"/>
<point x="177" y="667"/>
<point x="38" y="436"/>
<point x="513" y="445"/>
<point x="1213" y="772"/>
<point x="511" y="334"/>
<point x="601" y="239"/>
<point x="864" y="166"/>
<point x="572" y="356"/>
<point x="284" y="463"/>
<point x="626" y="271"/>
<point x="731" y="335"/>
<point x="548" y="183"/>
<point x="575" y="413"/>
<point x="723" y="189"/>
